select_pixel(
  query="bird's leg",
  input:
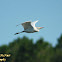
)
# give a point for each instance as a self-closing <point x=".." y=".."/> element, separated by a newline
<point x="19" y="32"/>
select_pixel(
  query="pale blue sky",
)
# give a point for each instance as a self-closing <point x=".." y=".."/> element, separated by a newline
<point x="13" y="12"/>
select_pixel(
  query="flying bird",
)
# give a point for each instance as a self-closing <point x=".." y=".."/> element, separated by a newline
<point x="29" y="27"/>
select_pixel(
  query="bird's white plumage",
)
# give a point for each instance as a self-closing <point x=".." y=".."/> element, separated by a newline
<point x="33" y="23"/>
<point x="29" y="27"/>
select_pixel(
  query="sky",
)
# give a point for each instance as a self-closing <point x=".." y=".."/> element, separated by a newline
<point x="14" y="12"/>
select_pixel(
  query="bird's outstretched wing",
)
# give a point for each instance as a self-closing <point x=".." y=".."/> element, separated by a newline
<point x="27" y="25"/>
<point x="33" y="23"/>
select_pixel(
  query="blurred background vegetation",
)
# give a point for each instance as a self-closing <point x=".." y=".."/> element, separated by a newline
<point x="24" y="50"/>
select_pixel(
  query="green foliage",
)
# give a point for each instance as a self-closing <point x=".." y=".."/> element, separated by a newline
<point x="4" y="49"/>
<point x="24" y="50"/>
<point x="58" y="51"/>
<point x="59" y="45"/>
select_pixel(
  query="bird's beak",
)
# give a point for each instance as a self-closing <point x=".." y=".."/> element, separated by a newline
<point x="42" y="27"/>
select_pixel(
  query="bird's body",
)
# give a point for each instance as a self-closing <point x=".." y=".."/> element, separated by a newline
<point x="29" y="27"/>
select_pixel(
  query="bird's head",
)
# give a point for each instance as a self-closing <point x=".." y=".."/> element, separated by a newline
<point x="39" y="27"/>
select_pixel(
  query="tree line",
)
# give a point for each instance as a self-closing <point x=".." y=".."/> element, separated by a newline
<point x="24" y="50"/>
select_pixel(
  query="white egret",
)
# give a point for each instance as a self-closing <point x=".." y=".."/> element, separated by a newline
<point x="29" y="27"/>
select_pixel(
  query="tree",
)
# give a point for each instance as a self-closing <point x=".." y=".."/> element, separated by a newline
<point x="44" y="51"/>
<point x="59" y="45"/>
<point x="4" y="49"/>
<point x="57" y="57"/>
